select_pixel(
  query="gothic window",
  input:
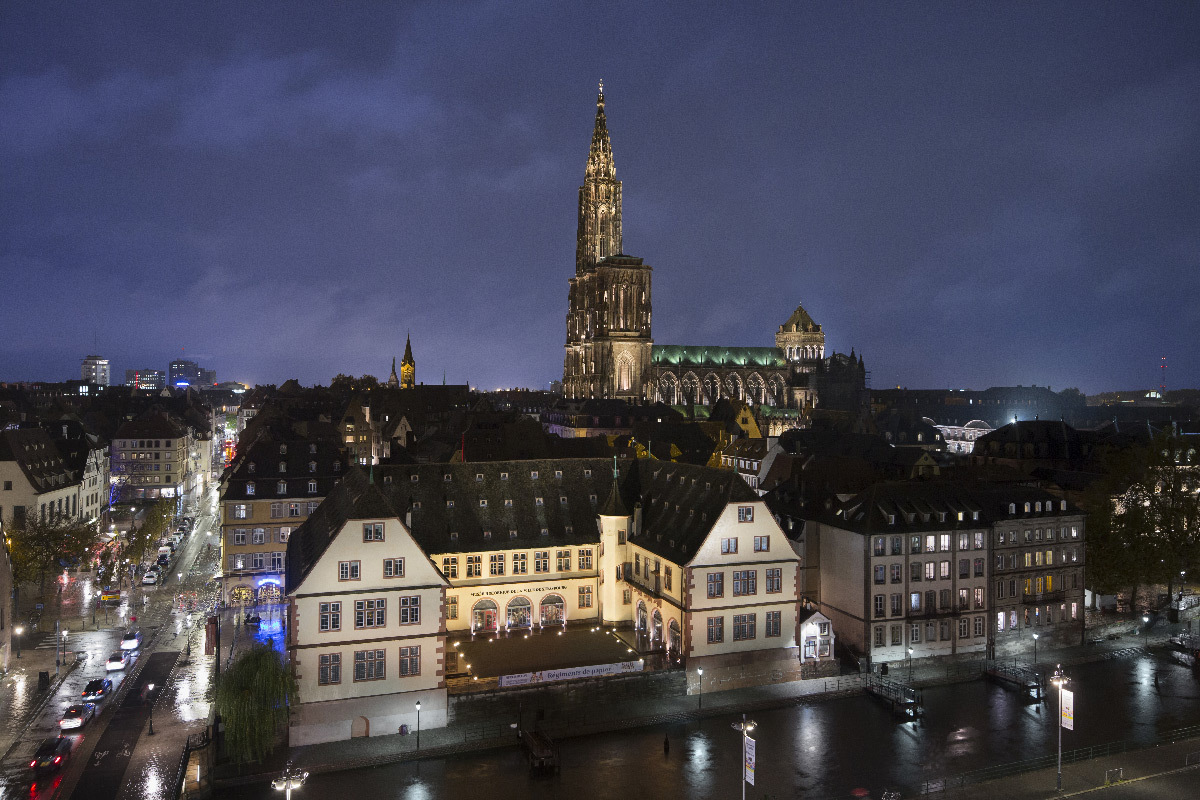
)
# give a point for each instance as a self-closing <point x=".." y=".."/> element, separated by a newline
<point x="624" y="374"/>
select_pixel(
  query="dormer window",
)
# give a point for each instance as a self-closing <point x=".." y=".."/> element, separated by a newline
<point x="281" y="487"/>
<point x="587" y="473"/>
<point x="545" y="532"/>
<point x="416" y="505"/>
<point x="512" y="534"/>
<point x="479" y="477"/>
<point x="250" y="467"/>
<point x="508" y="502"/>
<point x="312" y="448"/>
<point x="558" y="474"/>
<point x="1012" y="508"/>
<point x="283" y="449"/>
<point x="592" y="498"/>
<point x="337" y="466"/>
<point x="487" y="535"/>
<point x="891" y="519"/>
<point x="386" y="479"/>
<point x="283" y="466"/>
<point x="454" y="535"/>
<point x="449" y="504"/>
<point x="562" y="501"/>
<point x="446" y="478"/>
<point x="975" y="516"/>
<point x="414" y="478"/>
<point x="1027" y="508"/>
<point x="503" y="476"/>
<point x="1062" y="505"/>
<point x="483" y="502"/>
<point x="312" y="466"/>
<point x="569" y="530"/>
<point x="249" y="487"/>
<point x="537" y="501"/>
<point x="1038" y="506"/>
<point x="533" y="476"/>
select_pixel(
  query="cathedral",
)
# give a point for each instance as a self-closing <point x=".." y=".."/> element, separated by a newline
<point x="610" y="352"/>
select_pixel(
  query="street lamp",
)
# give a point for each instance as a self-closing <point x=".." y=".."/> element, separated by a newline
<point x="418" y="724"/>
<point x="150" y="698"/>
<point x="1059" y="680"/>
<point x="1146" y="629"/>
<point x="700" y="673"/>
<point x="292" y="778"/>
<point x="910" y="652"/>
<point x="1035" y="638"/>
<point x="745" y="726"/>
<point x="18" y="631"/>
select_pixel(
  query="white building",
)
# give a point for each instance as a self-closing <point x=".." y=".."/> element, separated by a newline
<point x="94" y="369"/>
<point x="35" y="481"/>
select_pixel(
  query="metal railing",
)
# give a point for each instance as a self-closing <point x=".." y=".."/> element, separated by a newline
<point x="195" y="741"/>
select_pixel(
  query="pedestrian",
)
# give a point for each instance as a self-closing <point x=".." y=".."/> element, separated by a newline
<point x="666" y="745"/>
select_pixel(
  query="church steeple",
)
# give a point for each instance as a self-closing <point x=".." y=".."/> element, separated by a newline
<point x="408" y="367"/>
<point x="392" y="380"/>
<point x="599" y="232"/>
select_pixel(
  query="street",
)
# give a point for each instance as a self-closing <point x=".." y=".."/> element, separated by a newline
<point x="112" y="750"/>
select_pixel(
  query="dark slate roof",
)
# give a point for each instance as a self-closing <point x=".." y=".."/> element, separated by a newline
<point x="151" y="425"/>
<point x="799" y="321"/>
<point x="918" y="507"/>
<point x="355" y="497"/>
<point x="260" y="464"/>
<point x="39" y="460"/>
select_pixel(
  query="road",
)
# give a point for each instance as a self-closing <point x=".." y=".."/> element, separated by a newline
<point x="103" y="751"/>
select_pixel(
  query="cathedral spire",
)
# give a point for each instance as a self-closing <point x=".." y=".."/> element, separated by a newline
<point x="599" y="233"/>
<point x="408" y="367"/>
<point x="392" y="380"/>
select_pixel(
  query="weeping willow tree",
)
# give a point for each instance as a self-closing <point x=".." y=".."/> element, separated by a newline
<point x="253" y="696"/>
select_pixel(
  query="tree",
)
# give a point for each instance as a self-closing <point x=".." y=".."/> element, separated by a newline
<point x="253" y="697"/>
<point x="42" y="546"/>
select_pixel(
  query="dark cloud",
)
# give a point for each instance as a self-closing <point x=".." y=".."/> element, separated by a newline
<point x="970" y="194"/>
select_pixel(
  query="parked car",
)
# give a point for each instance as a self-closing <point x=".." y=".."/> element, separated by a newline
<point x="118" y="660"/>
<point x="150" y="578"/>
<point x="163" y="560"/>
<point x="51" y="755"/>
<point x="97" y="689"/>
<point x="132" y="640"/>
<point x="77" y="716"/>
<point x="253" y="621"/>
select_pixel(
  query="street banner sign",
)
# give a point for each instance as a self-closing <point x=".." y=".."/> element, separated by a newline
<point x="750" y="760"/>
<point x="1068" y="709"/>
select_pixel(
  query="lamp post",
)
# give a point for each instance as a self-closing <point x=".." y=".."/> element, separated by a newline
<point x="18" y="631"/>
<point x="700" y="680"/>
<point x="150" y="698"/>
<point x="418" y="724"/>
<point x="745" y="726"/>
<point x="292" y="778"/>
<point x="1146" y="629"/>
<point x="1059" y="680"/>
<point x="910" y="652"/>
<point x="1035" y="638"/>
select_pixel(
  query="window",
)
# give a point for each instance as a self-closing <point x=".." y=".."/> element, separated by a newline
<point x="585" y="597"/>
<point x="329" y="669"/>
<point x="368" y="665"/>
<point x="914" y="571"/>
<point x="249" y="487"/>
<point x="879" y="546"/>
<point x="451" y="608"/>
<point x="239" y="536"/>
<point x="944" y="569"/>
<point x="496" y="564"/>
<point x="281" y="487"/>
<point x="563" y="560"/>
<point x="744" y="627"/>
<point x="978" y="597"/>
<point x="914" y="634"/>
<point x="393" y="568"/>
<point x="944" y="542"/>
<point x="728" y="546"/>
<point x="347" y="570"/>
<point x="276" y="510"/>
<point x="585" y="560"/>
<point x="277" y="560"/>
<point x="745" y="514"/>
<point x="537" y="501"/>
<point x="964" y="598"/>
<point x="312" y="506"/>
<point x="667" y="578"/>
<point x="410" y="660"/>
<point x="774" y="623"/>
<point x="745" y="582"/>
<point x="979" y="540"/>
<point x="897" y="546"/>
<point x="239" y="511"/>
<point x="474" y="566"/>
<point x="979" y="568"/>
<point x="930" y="543"/>
<point x="944" y="598"/>
<point x="896" y="606"/>
<point x="878" y="605"/>
<point x="762" y="544"/>
<point x="370" y="613"/>
<point x="964" y="568"/>
<point x="774" y="580"/>
<point x="897" y="635"/>
<point x="879" y="634"/>
<point x="533" y="476"/>
<point x="964" y="628"/>
<point x="627" y="597"/>
<point x="716" y="630"/>
<point x="897" y="575"/>
<point x="312" y="487"/>
<point x="637" y="563"/>
<point x="330" y="616"/>
<point x="880" y="574"/>
<point x="716" y="584"/>
<point x="964" y="540"/>
<point x="930" y="570"/>
<point x="450" y="566"/>
<point x="259" y="536"/>
<point x="410" y="610"/>
<point x="541" y="561"/>
<point x="520" y="563"/>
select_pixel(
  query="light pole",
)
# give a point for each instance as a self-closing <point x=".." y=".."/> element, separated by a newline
<point x="291" y="778"/>
<point x="745" y="726"/>
<point x="1035" y="638"/>
<point x="1146" y="630"/>
<point x="1059" y="680"/>
<point x="150" y="698"/>
<point x="910" y="652"/>
<point x="700" y="680"/>
<point x="18" y="631"/>
<point x="418" y="724"/>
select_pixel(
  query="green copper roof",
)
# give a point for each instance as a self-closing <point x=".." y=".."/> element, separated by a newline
<point x="688" y="355"/>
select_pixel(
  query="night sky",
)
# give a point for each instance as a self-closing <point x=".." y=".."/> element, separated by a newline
<point x="969" y="194"/>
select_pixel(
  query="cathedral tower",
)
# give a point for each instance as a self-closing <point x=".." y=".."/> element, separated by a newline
<point x="608" y="318"/>
<point x="408" y="367"/>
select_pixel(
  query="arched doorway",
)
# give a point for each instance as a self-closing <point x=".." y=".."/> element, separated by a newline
<point x="674" y="639"/>
<point x="360" y="727"/>
<point x="641" y="616"/>
<point x="269" y="593"/>
<point x="241" y="594"/>
<point x="552" y="610"/>
<point x="483" y="616"/>
<point x="520" y="613"/>
<point x="656" y="630"/>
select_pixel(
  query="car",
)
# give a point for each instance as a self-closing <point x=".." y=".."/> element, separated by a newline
<point x="150" y="578"/>
<point x="51" y="755"/>
<point x="77" y="716"/>
<point x="97" y="689"/>
<point x="163" y="560"/>
<point x="253" y="621"/>
<point x="132" y="640"/>
<point x="118" y="660"/>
